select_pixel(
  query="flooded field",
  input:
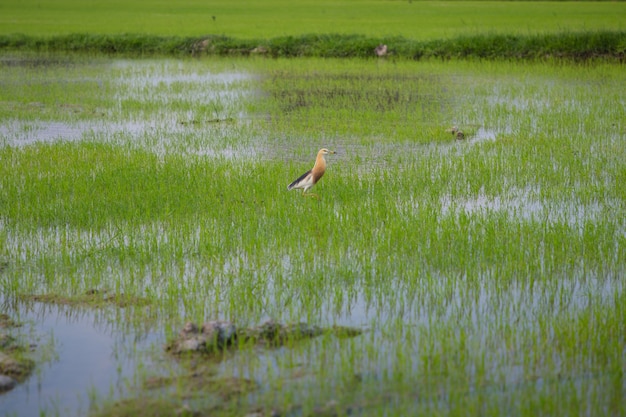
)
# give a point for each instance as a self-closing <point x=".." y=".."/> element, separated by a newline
<point x="436" y="274"/>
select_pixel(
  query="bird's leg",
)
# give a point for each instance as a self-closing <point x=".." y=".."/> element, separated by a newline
<point x="310" y="195"/>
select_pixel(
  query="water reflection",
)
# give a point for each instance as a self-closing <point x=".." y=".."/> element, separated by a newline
<point x="81" y="354"/>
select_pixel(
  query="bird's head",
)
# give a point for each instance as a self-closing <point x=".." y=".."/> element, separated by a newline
<point x="325" y="151"/>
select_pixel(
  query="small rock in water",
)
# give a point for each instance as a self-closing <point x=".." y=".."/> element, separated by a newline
<point x="269" y="330"/>
<point x="8" y="365"/>
<point x="6" y="341"/>
<point x="212" y="336"/>
<point x="222" y="333"/>
<point x="7" y="383"/>
<point x="191" y="345"/>
<point x="189" y="328"/>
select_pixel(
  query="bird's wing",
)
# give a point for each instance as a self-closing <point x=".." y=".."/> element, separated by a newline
<point x="317" y="174"/>
<point x="300" y="178"/>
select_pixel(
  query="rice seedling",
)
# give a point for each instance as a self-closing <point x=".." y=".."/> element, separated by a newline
<point x="485" y="273"/>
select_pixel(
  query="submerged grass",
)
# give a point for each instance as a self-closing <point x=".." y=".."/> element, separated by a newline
<point x="486" y="271"/>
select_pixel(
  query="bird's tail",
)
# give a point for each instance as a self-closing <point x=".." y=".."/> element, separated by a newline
<point x="296" y="182"/>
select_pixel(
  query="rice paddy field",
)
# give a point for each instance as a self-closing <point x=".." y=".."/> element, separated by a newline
<point x="482" y="276"/>
<point x="434" y="275"/>
<point x="273" y="18"/>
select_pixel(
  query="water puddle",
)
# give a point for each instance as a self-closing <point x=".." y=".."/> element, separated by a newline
<point x="223" y="89"/>
<point x="483" y="134"/>
<point x="85" y="357"/>
<point x="162" y="107"/>
<point x="141" y="134"/>
<point x="21" y="133"/>
<point x="93" y="355"/>
<point x="524" y="204"/>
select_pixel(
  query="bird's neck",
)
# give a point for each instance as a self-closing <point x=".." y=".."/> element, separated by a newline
<point x="320" y="163"/>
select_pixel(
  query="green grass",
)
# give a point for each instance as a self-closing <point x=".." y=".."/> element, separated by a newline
<point x="486" y="272"/>
<point x="415" y="30"/>
<point x="423" y="20"/>
<point x="579" y="46"/>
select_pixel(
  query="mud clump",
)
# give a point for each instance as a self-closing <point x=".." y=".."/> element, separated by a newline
<point x="201" y="389"/>
<point x="216" y="336"/>
<point x="211" y="337"/>
<point x="14" y="366"/>
<point x="271" y="333"/>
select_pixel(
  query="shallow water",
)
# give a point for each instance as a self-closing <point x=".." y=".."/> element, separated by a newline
<point x="86" y="355"/>
<point x="92" y="357"/>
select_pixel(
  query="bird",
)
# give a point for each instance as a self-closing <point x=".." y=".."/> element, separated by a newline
<point x="457" y="133"/>
<point x="307" y="180"/>
<point x="381" y="50"/>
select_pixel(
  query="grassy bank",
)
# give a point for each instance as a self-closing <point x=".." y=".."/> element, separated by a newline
<point x="344" y="28"/>
<point x="567" y="45"/>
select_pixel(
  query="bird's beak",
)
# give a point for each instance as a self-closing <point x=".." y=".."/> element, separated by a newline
<point x="332" y="152"/>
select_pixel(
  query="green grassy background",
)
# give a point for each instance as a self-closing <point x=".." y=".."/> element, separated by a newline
<point x="421" y="20"/>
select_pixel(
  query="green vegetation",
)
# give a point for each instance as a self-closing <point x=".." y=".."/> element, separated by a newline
<point x="251" y="19"/>
<point x="327" y="28"/>
<point x="486" y="272"/>
<point x="567" y="45"/>
<point x="479" y="276"/>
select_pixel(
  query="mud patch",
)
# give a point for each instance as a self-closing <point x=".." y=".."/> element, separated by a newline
<point x="215" y="336"/>
<point x="198" y="392"/>
<point x="138" y="407"/>
<point x="204" y="381"/>
<point x="199" y="387"/>
<point x="15" y="365"/>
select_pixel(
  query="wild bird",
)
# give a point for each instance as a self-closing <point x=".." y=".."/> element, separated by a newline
<point x="307" y="180"/>
<point x="458" y="134"/>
